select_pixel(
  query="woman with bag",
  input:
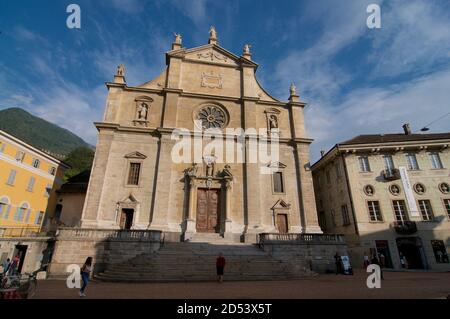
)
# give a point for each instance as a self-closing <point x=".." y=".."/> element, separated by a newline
<point x="85" y="273"/>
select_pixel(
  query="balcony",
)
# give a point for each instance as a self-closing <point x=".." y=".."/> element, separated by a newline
<point x="391" y="174"/>
<point x="14" y="232"/>
<point x="405" y="227"/>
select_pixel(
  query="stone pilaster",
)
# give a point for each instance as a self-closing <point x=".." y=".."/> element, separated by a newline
<point x="163" y="188"/>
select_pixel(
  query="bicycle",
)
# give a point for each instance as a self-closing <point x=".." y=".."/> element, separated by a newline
<point x="19" y="286"/>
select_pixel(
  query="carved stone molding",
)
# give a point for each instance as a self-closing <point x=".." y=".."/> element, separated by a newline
<point x="211" y="81"/>
<point x="212" y="56"/>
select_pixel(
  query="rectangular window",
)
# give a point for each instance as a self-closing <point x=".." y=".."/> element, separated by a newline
<point x="364" y="164"/>
<point x="31" y="184"/>
<point x="36" y="163"/>
<point x="440" y="252"/>
<point x="133" y="174"/>
<point x="48" y="190"/>
<point x="11" y="177"/>
<point x="52" y="171"/>
<point x="400" y="210"/>
<point x="374" y="211"/>
<point x="345" y="216"/>
<point x="447" y="206"/>
<point x="412" y="162"/>
<point x="436" y="161"/>
<point x="27" y="217"/>
<point x="7" y="210"/>
<point x="3" y="207"/>
<point x="38" y="218"/>
<point x="388" y="162"/>
<point x="20" y="212"/>
<point x="278" y="182"/>
<point x="425" y="209"/>
<point x="19" y="156"/>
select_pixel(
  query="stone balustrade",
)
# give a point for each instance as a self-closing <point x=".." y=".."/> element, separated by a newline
<point x="267" y="238"/>
<point x="110" y="234"/>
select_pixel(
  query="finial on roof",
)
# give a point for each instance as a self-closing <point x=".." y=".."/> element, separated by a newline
<point x="293" y="97"/>
<point x="293" y="89"/>
<point x="119" y="77"/>
<point x="246" y="52"/>
<point x="177" y="43"/>
<point x="212" y="35"/>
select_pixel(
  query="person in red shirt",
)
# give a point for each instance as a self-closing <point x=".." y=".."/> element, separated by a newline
<point x="220" y="265"/>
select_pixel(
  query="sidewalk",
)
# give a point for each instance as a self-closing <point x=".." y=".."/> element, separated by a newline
<point x="396" y="285"/>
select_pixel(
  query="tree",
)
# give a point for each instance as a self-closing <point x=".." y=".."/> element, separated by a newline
<point x="80" y="159"/>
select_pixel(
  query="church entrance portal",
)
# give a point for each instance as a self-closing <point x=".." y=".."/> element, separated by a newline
<point x="208" y="211"/>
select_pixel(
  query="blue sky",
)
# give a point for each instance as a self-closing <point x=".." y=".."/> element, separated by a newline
<point x="355" y="80"/>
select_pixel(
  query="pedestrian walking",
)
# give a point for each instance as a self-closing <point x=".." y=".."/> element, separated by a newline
<point x="220" y="265"/>
<point x="6" y="264"/>
<point x="376" y="261"/>
<point x="338" y="262"/>
<point x="85" y="273"/>
<point x="13" y="267"/>
<point x="366" y="261"/>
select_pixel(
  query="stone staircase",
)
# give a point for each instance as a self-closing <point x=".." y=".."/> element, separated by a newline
<point x="195" y="261"/>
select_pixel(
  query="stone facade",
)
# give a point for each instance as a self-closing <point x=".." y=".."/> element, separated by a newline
<point x="219" y="89"/>
<point x="347" y="195"/>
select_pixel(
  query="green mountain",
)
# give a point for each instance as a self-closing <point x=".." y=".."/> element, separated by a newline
<point x="39" y="133"/>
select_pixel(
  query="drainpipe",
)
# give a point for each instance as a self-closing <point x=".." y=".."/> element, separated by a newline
<point x="352" y="207"/>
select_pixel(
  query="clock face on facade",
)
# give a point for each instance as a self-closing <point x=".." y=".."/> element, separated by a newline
<point x="212" y="117"/>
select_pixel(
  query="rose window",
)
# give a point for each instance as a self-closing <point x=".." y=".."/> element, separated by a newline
<point x="212" y="117"/>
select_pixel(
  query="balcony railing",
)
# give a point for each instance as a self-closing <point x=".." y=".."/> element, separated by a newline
<point x="273" y="238"/>
<point x="114" y="234"/>
<point x="12" y="232"/>
<point x="405" y="227"/>
<point x="391" y="174"/>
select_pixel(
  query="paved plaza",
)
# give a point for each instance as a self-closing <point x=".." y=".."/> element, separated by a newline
<point x="406" y="285"/>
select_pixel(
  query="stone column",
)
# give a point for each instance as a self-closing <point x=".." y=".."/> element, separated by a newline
<point x="228" y="197"/>
<point x="190" y="221"/>
<point x="163" y="186"/>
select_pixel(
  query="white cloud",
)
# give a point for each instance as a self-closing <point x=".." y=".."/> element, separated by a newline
<point x="195" y="10"/>
<point x="312" y="69"/>
<point x="380" y="110"/>
<point x="415" y="35"/>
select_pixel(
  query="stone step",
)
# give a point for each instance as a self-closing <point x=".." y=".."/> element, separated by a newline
<point x="196" y="262"/>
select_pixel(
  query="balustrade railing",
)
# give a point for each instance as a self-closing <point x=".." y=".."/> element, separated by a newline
<point x="266" y="238"/>
<point x="8" y="232"/>
<point x="119" y="234"/>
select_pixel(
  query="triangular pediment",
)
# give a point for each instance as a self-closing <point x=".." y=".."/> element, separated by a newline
<point x="212" y="54"/>
<point x="136" y="155"/>
<point x="281" y="204"/>
<point x="129" y="199"/>
<point x="276" y="165"/>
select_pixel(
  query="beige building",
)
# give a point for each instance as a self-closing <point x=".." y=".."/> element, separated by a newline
<point x="136" y="183"/>
<point x="388" y="194"/>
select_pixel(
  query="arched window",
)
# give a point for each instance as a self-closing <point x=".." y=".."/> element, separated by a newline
<point x="4" y="207"/>
<point x="20" y="212"/>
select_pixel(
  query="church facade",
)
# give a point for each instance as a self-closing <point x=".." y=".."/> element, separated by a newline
<point x="138" y="182"/>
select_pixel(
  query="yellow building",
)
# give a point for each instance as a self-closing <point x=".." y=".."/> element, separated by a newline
<point x="29" y="179"/>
